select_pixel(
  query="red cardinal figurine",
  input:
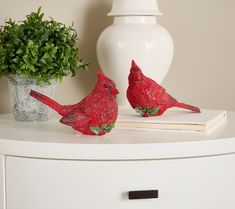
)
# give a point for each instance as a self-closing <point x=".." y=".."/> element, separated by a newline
<point x="93" y="115"/>
<point x="147" y="97"/>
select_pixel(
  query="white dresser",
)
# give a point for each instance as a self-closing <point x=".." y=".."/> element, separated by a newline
<point x="50" y="166"/>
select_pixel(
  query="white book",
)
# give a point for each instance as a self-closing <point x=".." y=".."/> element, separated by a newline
<point x="172" y="119"/>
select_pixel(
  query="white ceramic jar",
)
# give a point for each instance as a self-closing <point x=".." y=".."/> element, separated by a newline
<point x="134" y="35"/>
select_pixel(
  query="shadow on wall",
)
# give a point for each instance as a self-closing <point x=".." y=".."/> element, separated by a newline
<point x="5" y="104"/>
<point x="95" y="21"/>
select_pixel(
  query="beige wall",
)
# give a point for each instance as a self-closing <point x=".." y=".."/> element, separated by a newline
<point x="203" y="69"/>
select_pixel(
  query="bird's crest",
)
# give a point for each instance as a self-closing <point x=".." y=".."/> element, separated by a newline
<point x="134" y="67"/>
<point x="100" y="74"/>
<point x="135" y="73"/>
<point x="102" y="77"/>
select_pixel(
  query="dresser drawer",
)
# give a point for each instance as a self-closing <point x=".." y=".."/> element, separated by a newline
<point x="193" y="183"/>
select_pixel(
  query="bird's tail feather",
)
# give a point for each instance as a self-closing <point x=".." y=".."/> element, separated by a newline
<point x="47" y="101"/>
<point x="188" y="107"/>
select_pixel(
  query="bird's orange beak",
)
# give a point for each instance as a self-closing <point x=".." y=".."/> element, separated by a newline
<point x="114" y="92"/>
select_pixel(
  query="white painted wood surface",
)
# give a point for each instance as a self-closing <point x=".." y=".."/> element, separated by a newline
<point x="193" y="183"/>
<point x="54" y="140"/>
<point x="2" y="182"/>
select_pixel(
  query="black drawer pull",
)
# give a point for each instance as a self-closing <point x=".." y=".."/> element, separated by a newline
<point x="148" y="194"/>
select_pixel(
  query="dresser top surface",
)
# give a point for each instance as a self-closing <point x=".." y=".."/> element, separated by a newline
<point x="52" y="134"/>
<point x="55" y="132"/>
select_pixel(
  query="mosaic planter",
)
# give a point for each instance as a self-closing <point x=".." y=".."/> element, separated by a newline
<point x="25" y="107"/>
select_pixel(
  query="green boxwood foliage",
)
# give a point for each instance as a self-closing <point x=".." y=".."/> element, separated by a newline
<point x="39" y="49"/>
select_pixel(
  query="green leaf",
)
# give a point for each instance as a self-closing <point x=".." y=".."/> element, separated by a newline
<point x="153" y="111"/>
<point x="95" y="129"/>
<point x="19" y="51"/>
<point x="108" y="128"/>
<point x="147" y="110"/>
<point x="104" y="127"/>
<point x="139" y="110"/>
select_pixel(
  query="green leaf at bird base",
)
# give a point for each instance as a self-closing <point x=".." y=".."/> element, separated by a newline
<point x="147" y="110"/>
<point x="153" y="111"/>
<point x="95" y="129"/>
<point x="139" y="110"/>
<point x="109" y="128"/>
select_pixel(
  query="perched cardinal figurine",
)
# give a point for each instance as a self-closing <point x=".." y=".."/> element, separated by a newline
<point x="147" y="97"/>
<point x="93" y="115"/>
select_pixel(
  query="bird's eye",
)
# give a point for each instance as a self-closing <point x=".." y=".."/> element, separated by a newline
<point x="105" y="86"/>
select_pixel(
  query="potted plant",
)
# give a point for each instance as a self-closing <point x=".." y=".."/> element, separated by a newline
<point x="35" y="54"/>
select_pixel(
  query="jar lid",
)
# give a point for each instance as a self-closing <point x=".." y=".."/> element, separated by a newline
<point x="134" y="7"/>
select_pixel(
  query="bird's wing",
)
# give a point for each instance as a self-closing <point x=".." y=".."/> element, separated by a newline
<point x="164" y="98"/>
<point x="76" y="118"/>
<point x="85" y="106"/>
